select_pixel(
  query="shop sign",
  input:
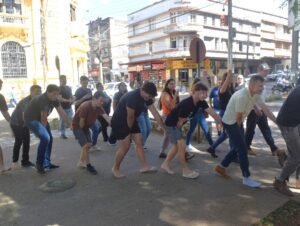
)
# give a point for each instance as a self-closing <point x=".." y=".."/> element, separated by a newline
<point x="158" y="66"/>
<point x="147" y="66"/>
<point x="177" y="64"/>
<point x="135" y="68"/>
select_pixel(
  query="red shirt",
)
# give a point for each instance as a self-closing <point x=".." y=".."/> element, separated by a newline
<point x="89" y="113"/>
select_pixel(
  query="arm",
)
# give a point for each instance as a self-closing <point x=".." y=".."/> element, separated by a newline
<point x="63" y="115"/>
<point x="44" y="116"/>
<point x="6" y="115"/>
<point x="226" y="82"/>
<point x="130" y="117"/>
<point x="85" y="97"/>
<point x="180" y="122"/>
<point x="267" y="112"/>
<point x="156" y="115"/>
<point x="213" y="114"/>
<point x="82" y="123"/>
<point x="106" y="117"/>
<point x="170" y="103"/>
<point x="114" y="104"/>
<point x="239" y="118"/>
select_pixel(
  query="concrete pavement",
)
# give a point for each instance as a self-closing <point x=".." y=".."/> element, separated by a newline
<point x="139" y="199"/>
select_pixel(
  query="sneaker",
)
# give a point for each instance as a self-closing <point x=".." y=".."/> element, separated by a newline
<point x="40" y="169"/>
<point x="250" y="182"/>
<point x="27" y="164"/>
<point x="91" y="169"/>
<point x="189" y="155"/>
<point x="221" y="171"/>
<point x="52" y="166"/>
<point x="282" y="187"/>
<point x="251" y="152"/>
<point x="191" y="148"/>
<point x="191" y="175"/>
<point x="162" y="155"/>
<point x="112" y="144"/>
<point x="212" y="152"/>
<point x="63" y="136"/>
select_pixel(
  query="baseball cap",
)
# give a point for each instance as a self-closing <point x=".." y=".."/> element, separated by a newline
<point x="150" y="88"/>
<point x="263" y="66"/>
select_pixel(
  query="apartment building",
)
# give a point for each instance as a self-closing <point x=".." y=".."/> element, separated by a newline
<point x="39" y="40"/>
<point x="160" y="36"/>
<point x="108" y="55"/>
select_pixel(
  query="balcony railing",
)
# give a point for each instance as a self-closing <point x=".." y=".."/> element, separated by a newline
<point x="178" y="28"/>
<point x="15" y="20"/>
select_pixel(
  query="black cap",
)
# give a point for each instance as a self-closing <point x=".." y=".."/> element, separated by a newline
<point x="150" y="88"/>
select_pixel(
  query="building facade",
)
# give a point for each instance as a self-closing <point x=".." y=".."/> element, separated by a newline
<point x="108" y="55"/>
<point x="160" y="35"/>
<point x="39" y="40"/>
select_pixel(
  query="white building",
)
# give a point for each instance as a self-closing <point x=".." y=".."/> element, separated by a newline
<point x="160" y="36"/>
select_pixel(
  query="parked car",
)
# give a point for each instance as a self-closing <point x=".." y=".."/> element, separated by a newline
<point x="275" y="76"/>
<point x="112" y="87"/>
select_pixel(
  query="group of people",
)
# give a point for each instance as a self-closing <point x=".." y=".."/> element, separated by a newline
<point x="231" y="102"/>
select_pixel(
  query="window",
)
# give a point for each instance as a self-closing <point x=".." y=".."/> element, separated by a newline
<point x="193" y="19"/>
<point x="286" y="30"/>
<point x="185" y="43"/>
<point x="13" y="60"/>
<point x="173" y="17"/>
<point x="150" y="47"/>
<point x="173" y="43"/>
<point x="10" y="6"/>
<point x="151" y="24"/>
<point x="240" y="46"/>
<point x="254" y="29"/>
<point x="240" y="26"/>
<point x="217" y="44"/>
<point x="73" y="13"/>
<point x="205" y="20"/>
<point x="213" y="21"/>
<point x="134" y="30"/>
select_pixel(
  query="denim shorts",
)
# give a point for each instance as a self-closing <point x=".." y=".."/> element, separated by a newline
<point x="174" y="133"/>
<point x="83" y="136"/>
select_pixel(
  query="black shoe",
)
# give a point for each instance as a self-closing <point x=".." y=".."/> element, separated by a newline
<point x="91" y="169"/>
<point x="27" y="164"/>
<point x="63" y="136"/>
<point x="189" y="156"/>
<point x="212" y="152"/>
<point x="52" y="166"/>
<point x="40" y="169"/>
<point x="162" y="155"/>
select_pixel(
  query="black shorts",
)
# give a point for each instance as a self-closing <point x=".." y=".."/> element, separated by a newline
<point x="122" y="131"/>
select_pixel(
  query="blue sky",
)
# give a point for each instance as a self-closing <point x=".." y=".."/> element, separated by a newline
<point x="120" y="8"/>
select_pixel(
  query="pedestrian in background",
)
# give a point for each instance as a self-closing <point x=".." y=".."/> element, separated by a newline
<point x="214" y="102"/>
<point x="12" y="98"/>
<point x="21" y="131"/>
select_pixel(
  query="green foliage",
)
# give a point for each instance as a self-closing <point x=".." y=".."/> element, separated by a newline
<point x="273" y="97"/>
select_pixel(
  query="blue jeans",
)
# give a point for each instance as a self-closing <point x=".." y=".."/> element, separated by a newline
<point x="95" y="131"/>
<point x="222" y="137"/>
<point x="198" y="118"/>
<point x="62" y="124"/>
<point x="145" y="126"/>
<point x="237" y="148"/>
<point x="46" y="140"/>
<point x="264" y="127"/>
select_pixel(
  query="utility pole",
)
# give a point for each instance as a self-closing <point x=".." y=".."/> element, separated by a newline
<point x="295" y="40"/>
<point x="246" y="72"/>
<point x="100" y="57"/>
<point x="230" y="35"/>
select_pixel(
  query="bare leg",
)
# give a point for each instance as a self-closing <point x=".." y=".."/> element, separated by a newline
<point x="145" y="167"/>
<point x="171" y="154"/>
<point x="181" y="156"/>
<point x="84" y="155"/>
<point x="122" y="151"/>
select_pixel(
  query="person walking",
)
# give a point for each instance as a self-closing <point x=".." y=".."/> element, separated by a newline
<point x="66" y="101"/>
<point x="257" y="117"/>
<point x="168" y="100"/>
<point x="36" y="118"/>
<point x="4" y="111"/>
<point x="174" y="122"/>
<point x="214" y="102"/>
<point x="21" y="131"/>
<point x="125" y="127"/>
<point x="239" y="106"/>
<point x="85" y="116"/>
<point x="288" y="120"/>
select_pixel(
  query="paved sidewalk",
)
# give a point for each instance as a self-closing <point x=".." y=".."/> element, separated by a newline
<point x="148" y="199"/>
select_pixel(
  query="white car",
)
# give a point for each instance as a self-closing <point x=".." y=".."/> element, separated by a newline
<point x="112" y="87"/>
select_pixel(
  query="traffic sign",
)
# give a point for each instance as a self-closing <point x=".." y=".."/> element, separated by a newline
<point x="197" y="50"/>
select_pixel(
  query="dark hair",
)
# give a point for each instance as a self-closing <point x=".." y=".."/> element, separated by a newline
<point x="98" y="85"/>
<point x="99" y="94"/>
<point x="167" y="90"/>
<point x="62" y="77"/>
<point x="256" y="78"/>
<point x="83" y="78"/>
<point x="150" y="88"/>
<point x="196" y="80"/>
<point x="35" y="87"/>
<point x="199" y="86"/>
<point x="52" y="88"/>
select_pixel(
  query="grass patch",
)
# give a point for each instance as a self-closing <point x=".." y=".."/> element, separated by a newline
<point x="273" y="97"/>
<point x="286" y="215"/>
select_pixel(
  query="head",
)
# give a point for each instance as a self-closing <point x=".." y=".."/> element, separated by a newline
<point x="122" y="87"/>
<point x="99" y="86"/>
<point x="263" y="69"/>
<point x="170" y="85"/>
<point x="256" y="84"/>
<point x="84" y="81"/>
<point x="240" y="80"/>
<point x="148" y="90"/>
<point x="63" y="80"/>
<point x="1" y="82"/>
<point x="35" y="90"/>
<point x="199" y="91"/>
<point x="99" y="98"/>
<point x="52" y="92"/>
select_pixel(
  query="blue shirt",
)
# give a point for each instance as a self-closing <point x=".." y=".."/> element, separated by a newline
<point x="214" y="95"/>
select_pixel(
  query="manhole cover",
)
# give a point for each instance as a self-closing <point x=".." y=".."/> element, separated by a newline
<point x="57" y="185"/>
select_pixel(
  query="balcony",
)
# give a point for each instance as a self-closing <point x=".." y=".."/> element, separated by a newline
<point x="282" y="53"/>
<point x="283" y="37"/>
<point x="267" y="45"/>
<point x="268" y="28"/>
<point x="8" y="20"/>
<point x="182" y="28"/>
<point x="266" y="35"/>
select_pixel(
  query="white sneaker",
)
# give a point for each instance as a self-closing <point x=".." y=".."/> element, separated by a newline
<point x="250" y="182"/>
<point x="191" y="148"/>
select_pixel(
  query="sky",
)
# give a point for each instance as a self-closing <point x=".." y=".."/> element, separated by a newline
<point x="120" y="8"/>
